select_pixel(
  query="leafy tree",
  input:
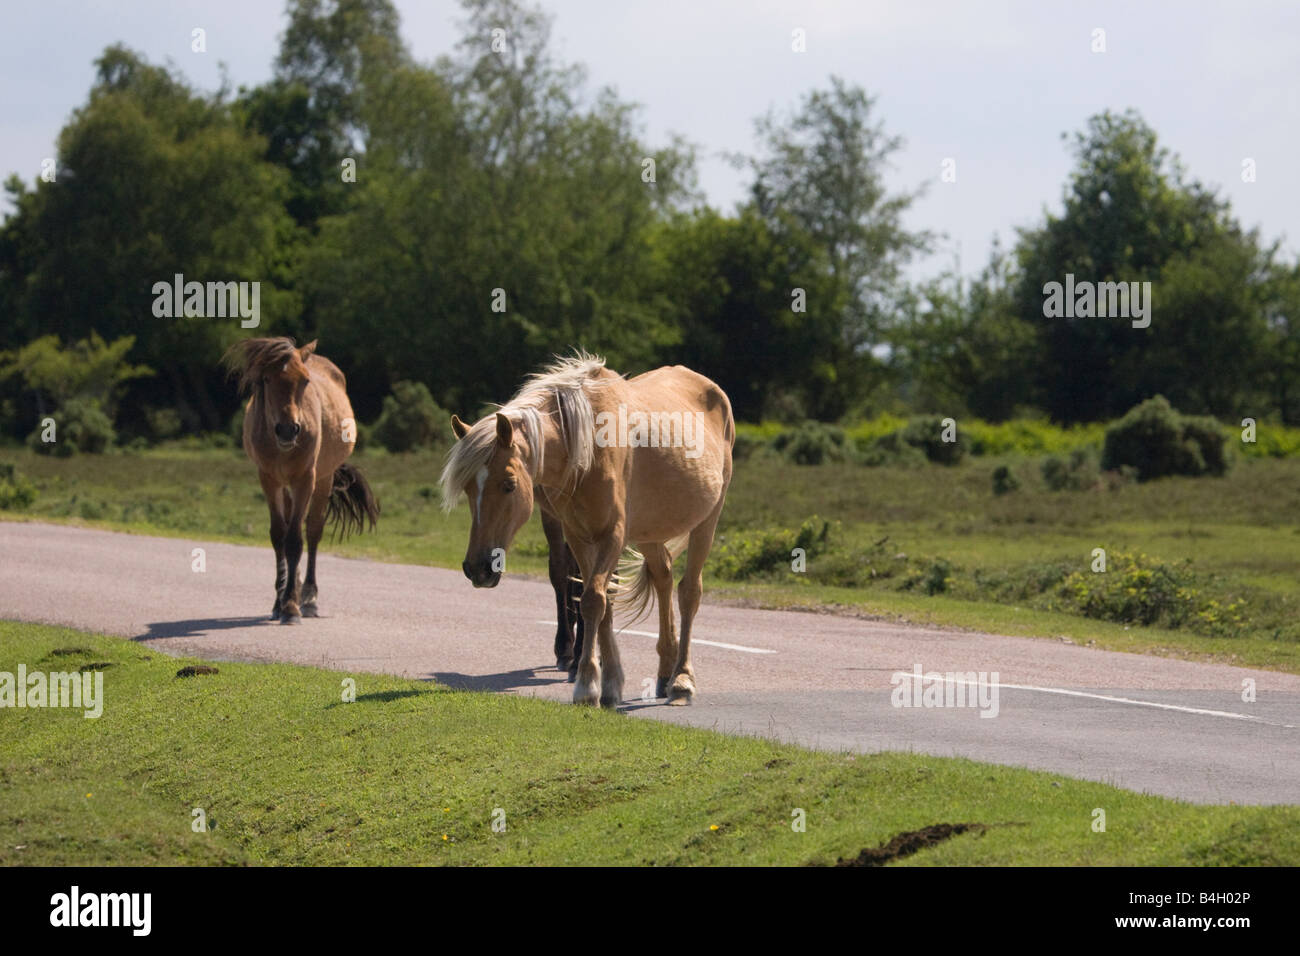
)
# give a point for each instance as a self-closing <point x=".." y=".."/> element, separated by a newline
<point x="153" y="180"/>
<point x="1130" y="214"/>
<point x="821" y="171"/>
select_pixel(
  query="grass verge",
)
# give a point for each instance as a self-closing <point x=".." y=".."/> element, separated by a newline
<point x="287" y="773"/>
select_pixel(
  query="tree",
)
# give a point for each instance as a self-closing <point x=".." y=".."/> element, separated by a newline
<point x="1130" y="215"/>
<point x="152" y="180"/>
<point x="821" y="171"/>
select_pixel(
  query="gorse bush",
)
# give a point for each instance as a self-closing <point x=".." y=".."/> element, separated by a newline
<point x="744" y="554"/>
<point x="1157" y="441"/>
<point x="80" y="425"/>
<point x="1135" y="589"/>
<point x="410" y="419"/>
<point x="16" y="492"/>
<point x="1077" y="473"/>
<point x="812" y="443"/>
<point x="1004" y="480"/>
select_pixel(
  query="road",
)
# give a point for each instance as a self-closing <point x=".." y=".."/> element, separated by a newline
<point x="1151" y="724"/>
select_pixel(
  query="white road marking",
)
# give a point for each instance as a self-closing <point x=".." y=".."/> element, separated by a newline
<point x="694" y="640"/>
<point x="1124" y="700"/>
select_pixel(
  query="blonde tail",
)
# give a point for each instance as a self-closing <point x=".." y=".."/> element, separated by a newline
<point x="633" y="589"/>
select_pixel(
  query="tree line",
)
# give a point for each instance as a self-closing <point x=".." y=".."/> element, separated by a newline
<point x="455" y="223"/>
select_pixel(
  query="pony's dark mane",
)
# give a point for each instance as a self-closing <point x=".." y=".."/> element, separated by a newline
<point x="249" y="358"/>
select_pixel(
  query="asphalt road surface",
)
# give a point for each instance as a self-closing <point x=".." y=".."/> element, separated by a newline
<point x="1168" y="727"/>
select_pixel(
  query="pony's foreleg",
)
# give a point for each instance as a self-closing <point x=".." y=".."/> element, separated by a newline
<point x="682" y="688"/>
<point x="300" y="494"/>
<point x="274" y="503"/>
<point x="320" y="497"/>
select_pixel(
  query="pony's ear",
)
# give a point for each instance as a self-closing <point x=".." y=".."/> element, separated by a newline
<point x="307" y="350"/>
<point x="459" y="427"/>
<point x="505" y="431"/>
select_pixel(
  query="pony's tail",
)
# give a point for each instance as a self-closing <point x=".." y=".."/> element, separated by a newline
<point x="634" y="590"/>
<point x="351" y="502"/>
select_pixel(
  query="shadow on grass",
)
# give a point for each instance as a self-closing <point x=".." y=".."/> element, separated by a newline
<point x="509" y="680"/>
<point x="382" y="697"/>
<point x="160" y="630"/>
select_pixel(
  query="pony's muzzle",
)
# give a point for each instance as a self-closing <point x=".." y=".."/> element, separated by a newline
<point x="287" y="433"/>
<point x="481" y="574"/>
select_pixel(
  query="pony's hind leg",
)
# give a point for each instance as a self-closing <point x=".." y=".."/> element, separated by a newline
<point x="611" y="668"/>
<point x="659" y="567"/>
<point x="682" y="688"/>
<point x="315" y="528"/>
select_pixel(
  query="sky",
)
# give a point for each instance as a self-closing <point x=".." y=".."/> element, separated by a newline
<point x="989" y="84"/>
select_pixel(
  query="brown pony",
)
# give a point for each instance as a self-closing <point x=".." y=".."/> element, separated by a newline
<point x="643" y="461"/>
<point x="299" y="431"/>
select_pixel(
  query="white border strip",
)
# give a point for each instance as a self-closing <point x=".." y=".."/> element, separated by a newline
<point x="1122" y="700"/>
<point x="694" y="641"/>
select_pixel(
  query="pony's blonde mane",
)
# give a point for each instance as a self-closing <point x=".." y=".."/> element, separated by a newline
<point x="558" y="390"/>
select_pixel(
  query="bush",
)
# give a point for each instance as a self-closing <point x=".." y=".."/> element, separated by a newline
<point x="16" y="492"/>
<point x="813" y="443"/>
<point x="927" y="434"/>
<point x="1158" y="441"/>
<point x="1078" y="473"/>
<point x="164" y="423"/>
<point x="1138" y="590"/>
<point x="744" y="554"/>
<point x="80" y="426"/>
<point x="922" y="435"/>
<point x="1004" y="480"/>
<point x="410" y="419"/>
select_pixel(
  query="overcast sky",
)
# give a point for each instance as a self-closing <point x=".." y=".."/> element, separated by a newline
<point x="989" y="84"/>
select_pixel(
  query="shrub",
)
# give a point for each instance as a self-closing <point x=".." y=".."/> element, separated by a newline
<point x="1157" y="441"/>
<point x="744" y="554"/>
<point x="80" y="426"/>
<point x="16" y="492"/>
<point x="919" y="440"/>
<point x="409" y="419"/>
<point x="1077" y="473"/>
<point x="164" y="423"/>
<point x="813" y="443"/>
<point x="1004" y="480"/>
<point x="1138" y="590"/>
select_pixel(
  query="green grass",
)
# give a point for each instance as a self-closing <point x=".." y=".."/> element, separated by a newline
<point x="1239" y="536"/>
<point x="411" y="773"/>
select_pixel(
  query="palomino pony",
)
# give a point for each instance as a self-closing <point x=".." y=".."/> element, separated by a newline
<point x="299" y="431"/>
<point x="642" y="462"/>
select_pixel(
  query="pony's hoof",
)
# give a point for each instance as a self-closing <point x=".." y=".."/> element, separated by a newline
<point x="681" y="692"/>
<point x="585" y="701"/>
<point x="290" y="616"/>
<point x="573" y="675"/>
<point x="275" y="611"/>
<point x="562" y="664"/>
<point x="309" y="610"/>
<point x="610" y="703"/>
<point x="661" y="687"/>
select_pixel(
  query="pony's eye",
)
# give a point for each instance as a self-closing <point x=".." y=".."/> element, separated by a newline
<point x="509" y="485"/>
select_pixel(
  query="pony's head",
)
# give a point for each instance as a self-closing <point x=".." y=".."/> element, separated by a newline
<point x="274" y="372"/>
<point x="493" y="464"/>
